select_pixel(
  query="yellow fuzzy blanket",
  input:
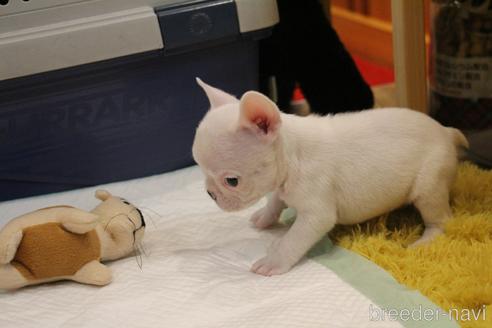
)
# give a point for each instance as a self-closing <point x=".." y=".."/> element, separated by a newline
<point x="455" y="270"/>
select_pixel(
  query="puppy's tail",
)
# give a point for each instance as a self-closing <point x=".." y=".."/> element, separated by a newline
<point x="459" y="138"/>
<point x="460" y="142"/>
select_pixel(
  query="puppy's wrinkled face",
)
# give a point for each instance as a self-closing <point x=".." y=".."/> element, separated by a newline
<point x="236" y="147"/>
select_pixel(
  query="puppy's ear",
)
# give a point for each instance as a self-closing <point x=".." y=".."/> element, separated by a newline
<point x="215" y="96"/>
<point x="259" y="114"/>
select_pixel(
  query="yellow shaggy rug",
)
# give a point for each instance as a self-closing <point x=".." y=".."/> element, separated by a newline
<point x="455" y="270"/>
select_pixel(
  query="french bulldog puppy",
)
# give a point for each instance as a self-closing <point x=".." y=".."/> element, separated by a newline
<point x="343" y="169"/>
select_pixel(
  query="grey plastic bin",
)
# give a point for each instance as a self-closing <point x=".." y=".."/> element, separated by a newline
<point x="124" y="117"/>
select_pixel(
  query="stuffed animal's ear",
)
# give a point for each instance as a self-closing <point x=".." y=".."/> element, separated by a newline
<point x="215" y="96"/>
<point x="259" y="114"/>
<point x="102" y="194"/>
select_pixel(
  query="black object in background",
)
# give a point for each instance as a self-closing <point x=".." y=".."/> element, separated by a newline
<point x="304" y="48"/>
<point x="480" y="151"/>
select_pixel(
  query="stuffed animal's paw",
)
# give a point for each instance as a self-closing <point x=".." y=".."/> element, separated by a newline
<point x="263" y="218"/>
<point x="8" y="248"/>
<point x="78" y="221"/>
<point x="94" y="273"/>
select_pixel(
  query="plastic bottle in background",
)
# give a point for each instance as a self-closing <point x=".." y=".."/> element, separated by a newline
<point x="461" y="63"/>
<point x="461" y="70"/>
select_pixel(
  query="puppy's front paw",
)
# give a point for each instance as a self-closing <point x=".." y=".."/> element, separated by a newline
<point x="263" y="218"/>
<point x="276" y="262"/>
<point x="270" y="265"/>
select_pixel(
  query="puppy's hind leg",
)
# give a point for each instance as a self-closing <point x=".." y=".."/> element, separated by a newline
<point x="434" y="207"/>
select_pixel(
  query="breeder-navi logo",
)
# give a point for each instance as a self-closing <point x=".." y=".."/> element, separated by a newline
<point x="425" y="314"/>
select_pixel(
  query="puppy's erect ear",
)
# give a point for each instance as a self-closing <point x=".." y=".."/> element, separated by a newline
<point x="215" y="96"/>
<point x="102" y="194"/>
<point x="259" y="114"/>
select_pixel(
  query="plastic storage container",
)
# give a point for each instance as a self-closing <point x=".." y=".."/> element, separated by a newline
<point x="99" y="91"/>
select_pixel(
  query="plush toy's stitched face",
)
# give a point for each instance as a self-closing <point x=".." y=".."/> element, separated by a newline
<point x="118" y="213"/>
<point x="136" y="217"/>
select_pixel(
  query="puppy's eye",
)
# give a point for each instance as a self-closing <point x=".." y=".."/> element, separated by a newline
<point x="125" y="201"/>
<point x="232" y="181"/>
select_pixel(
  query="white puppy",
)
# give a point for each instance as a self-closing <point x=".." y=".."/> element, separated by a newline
<point x="343" y="169"/>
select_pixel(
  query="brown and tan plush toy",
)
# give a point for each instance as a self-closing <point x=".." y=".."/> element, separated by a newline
<point x="66" y="243"/>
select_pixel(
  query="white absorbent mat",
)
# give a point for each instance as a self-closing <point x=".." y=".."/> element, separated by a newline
<point x="195" y="273"/>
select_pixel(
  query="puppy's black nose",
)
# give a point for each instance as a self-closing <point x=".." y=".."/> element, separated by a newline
<point x="212" y="195"/>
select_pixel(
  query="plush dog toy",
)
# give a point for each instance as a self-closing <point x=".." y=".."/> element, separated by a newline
<point x="66" y="243"/>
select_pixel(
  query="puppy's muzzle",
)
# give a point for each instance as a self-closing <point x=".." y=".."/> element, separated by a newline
<point x="212" y="195"/>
